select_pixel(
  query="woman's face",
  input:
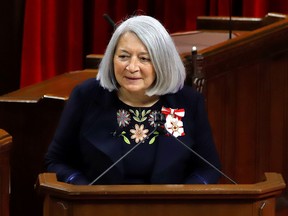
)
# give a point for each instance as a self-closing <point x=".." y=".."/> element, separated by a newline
<point x="133" y="68"/>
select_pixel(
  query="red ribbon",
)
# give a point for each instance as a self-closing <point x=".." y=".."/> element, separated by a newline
<point x="174" y="112"/>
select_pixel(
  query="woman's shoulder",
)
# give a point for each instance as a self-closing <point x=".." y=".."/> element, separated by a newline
<point x="91" y="84"/>
<point x="186" y="97"/>
<point x="91" y="88"/>
<point x="191" y="100"/>
<point x="189" y="91"/>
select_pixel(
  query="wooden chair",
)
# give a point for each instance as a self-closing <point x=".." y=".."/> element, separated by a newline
<point x="5" y="145"/>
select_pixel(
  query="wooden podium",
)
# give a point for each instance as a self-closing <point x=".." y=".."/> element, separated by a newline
<point x="156" y="200"/>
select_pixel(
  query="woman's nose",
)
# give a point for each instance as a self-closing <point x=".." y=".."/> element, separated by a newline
<point x="133" y="65"/>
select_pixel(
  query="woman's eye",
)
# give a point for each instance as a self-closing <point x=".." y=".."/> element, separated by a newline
<point x="123" y="56"/>
<point x="145" y="59"/>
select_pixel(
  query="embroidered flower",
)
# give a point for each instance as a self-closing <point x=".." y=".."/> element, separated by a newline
<point x="123" y="118"/>
<point x="174" y="126"/>
<point x="151" y="118"/>
<point x="139" y="133"/>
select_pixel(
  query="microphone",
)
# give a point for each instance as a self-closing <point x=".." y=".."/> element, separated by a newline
<point x="198" y="78"/>
<point x="109" y="20"/>
<point x="230" y="18"/>
<point x="158" y="122"/>
<point x="162" y="129"/>
<point x="117" y="132"/>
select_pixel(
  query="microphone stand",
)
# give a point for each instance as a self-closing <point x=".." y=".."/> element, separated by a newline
<point x="163" y="130"/>
<point x="230" y="19"/>
<point x="109" y="20"/>
<point x="206" y="161"/>
<point x="159" y="124"/>
<point x="122" y="157"/>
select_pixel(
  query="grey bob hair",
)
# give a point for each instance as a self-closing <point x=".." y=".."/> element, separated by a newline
<point x="168" y="66"/>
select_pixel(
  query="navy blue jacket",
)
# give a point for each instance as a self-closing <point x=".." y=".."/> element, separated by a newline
<point x="84" y="145"/>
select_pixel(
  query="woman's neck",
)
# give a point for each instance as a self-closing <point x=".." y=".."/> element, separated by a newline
<point x="137" y="100"/>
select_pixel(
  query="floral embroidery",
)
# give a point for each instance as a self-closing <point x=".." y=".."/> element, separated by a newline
<point x="173" y="124"/>
<point x="152" y="140"/>
<point x="140" y="117"/>
<point x="139" y="133"/>
<point x="151" y="118"/>
<point x="126" y="140"/>
<point x="123" y="118"/>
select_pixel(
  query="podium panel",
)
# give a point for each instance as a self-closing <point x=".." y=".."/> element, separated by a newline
<point x="162" y="207"/>
<point x="169" y="200"/>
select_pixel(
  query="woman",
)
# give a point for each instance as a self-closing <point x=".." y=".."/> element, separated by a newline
<point x="140" y="76"/>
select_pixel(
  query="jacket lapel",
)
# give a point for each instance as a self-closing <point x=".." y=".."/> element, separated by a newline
<point x="101" y="136"/>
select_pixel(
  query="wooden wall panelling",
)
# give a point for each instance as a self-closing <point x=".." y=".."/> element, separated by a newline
<point x="246" y="92"/>
<point x="238" y="91"/>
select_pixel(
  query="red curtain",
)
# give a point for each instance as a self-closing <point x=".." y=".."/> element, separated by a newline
<point x="178" y="16"/>
<point x="259" y="8"/>
<point x="59" y="33"/>
<point x="52" y="39"/>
